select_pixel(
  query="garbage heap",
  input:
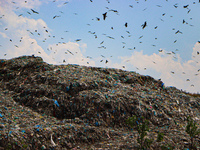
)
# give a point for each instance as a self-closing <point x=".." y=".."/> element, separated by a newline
<point x="97" y="98"/>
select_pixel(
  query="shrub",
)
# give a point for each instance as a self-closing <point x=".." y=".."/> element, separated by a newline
<point x="192" y="130"/>
<point x="142" y="128"/>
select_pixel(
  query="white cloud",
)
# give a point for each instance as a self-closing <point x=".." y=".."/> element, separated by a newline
<point x="19" y="29"/>
<point x="172" y="71"/>
<point x="23" y="42"/>
<point x="3" y="35"/>
<point x="61" y="3"/>
<point x="71" y="52"/>
<point x="19" y="4"/>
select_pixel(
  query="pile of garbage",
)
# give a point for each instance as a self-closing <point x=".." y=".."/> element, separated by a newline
<point x="70" y="106"/>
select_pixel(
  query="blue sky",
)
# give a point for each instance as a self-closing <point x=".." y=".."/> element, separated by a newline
<point x="156" y="52"/>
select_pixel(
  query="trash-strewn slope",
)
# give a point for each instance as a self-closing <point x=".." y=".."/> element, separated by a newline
<point x="97" y="100"/>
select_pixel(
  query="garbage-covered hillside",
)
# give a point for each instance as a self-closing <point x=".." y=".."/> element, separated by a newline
<point x="44" y="106"/>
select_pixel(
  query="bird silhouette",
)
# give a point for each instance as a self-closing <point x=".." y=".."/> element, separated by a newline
<point x="126" y="24"/>
<point x="185" y="6"/>
<point x="104" y="16"/>
<point x="34" y="11"/>
<point x="144" y="25"/>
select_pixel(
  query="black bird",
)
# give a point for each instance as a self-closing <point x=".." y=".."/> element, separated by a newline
<point x="35" y="11"/>
<point x="178" y="32"/>
<point x="175" y="5"/>
<point x="126" y="24"/>
<point x="78" y="40"/>
<point x="65" y="3"/>
<point x="183" y="21"/>
<point x="114" y="10"/>
<point x="98" y="19"/>
<point x="104" y="15"/>
<point x="90" y="0"/>
<point x="185" y="6"/>
<point x="144" y="25"/>
<point x="55" y="16"/>
<point x="140" y="37"/>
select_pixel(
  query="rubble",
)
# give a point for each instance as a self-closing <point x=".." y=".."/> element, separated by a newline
<point x="68" y="106"/>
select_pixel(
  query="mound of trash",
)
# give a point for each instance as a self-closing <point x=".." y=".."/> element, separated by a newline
<point x="77" y="105"/>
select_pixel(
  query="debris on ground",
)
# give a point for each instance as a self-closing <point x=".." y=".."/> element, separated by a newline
<point x="44" y="106"/>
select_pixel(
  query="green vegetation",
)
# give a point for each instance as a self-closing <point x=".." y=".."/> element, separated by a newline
<point x="192" y="130"/>
<point x="142" y="128"/>
<point x="141" y="125"/>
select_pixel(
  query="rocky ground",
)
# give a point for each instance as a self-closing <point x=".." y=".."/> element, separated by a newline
<point x="47" y="106"/>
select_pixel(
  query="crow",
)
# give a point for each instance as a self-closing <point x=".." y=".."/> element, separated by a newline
<point x="35" y="11"/>
<point x="144" y="25"/>
<point x="104" y="15"/>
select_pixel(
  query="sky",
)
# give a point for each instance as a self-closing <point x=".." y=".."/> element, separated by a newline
<point x="156" y="38"/>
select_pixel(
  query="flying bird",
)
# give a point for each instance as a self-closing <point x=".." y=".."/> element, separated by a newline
<point x="78" y="40"/>
<point x="175" y="5"/>
<point x="140" y="37"/>
<point x="104" y="15"/>
<point x="178" y="32"/>
<point x="185" y="6"/>
<point x="126" y="24"/>
<point x="55" y="16"/>
<point x="35" y="11"/>
<point x="70" y="52"/>
<point x="144" y="25"/>
<point x="65" y="3"/>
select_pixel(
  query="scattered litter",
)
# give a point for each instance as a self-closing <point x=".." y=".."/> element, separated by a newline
<point x="44" y="105"/>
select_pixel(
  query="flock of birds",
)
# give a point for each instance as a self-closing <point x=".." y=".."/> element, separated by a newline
<point x="104" y="17"/>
